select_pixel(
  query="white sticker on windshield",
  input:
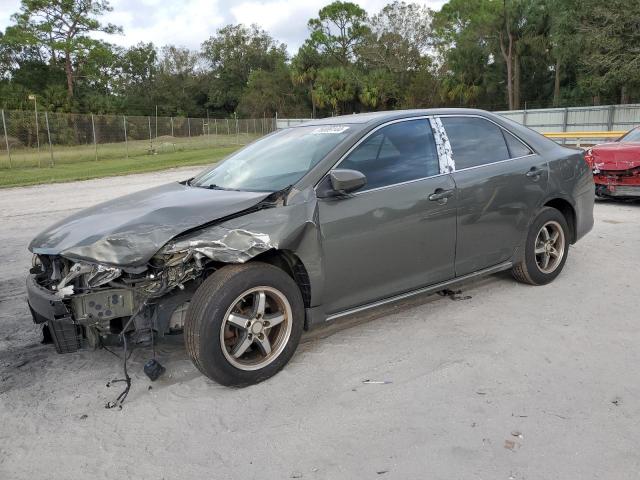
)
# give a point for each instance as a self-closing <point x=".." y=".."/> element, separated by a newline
<point x="329" y="129"/>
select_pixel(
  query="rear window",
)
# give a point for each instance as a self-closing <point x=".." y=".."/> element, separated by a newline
<point x="475" y="141"/>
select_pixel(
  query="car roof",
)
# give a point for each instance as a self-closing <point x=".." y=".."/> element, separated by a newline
<point x="384" y="116"/>
<point x="364" y="122"/>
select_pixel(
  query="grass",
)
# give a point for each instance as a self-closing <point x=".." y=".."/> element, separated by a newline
<point x="84" y="170"/>
<point x="30" y="167"/>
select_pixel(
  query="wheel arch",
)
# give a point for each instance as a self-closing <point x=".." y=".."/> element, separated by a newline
<point x="291" y="264"/>
<point x="568" y="211"/>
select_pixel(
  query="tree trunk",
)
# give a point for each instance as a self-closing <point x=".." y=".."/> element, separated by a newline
<point x="624" y="96"/>
<point x="516" y="82"/>
<point x="507" y="53"/>
<point x="69" y="72"/>
<point x="556" y="85"/>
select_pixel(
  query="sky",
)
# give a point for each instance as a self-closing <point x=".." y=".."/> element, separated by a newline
<point x="189" y="22"/>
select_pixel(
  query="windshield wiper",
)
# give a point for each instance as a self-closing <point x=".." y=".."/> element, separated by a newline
<point x="213" y="186"/>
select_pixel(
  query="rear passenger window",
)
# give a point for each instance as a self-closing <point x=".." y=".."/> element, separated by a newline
<point x="397" y="153"/>
<point x="474" y="141"/>
<point x="516" y="147"/>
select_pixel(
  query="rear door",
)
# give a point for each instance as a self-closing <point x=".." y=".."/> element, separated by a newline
<point x="500" y="183"/>
<point x="398" y="232"/>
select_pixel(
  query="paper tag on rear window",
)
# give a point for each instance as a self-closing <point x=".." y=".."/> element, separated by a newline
<point x="329" y="129"/>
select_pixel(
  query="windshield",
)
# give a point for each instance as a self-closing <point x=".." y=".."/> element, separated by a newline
<point x="631" y="136"/>
<point x="276" y="161"/>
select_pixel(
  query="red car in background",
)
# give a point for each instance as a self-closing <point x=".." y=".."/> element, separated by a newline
<point x="616" y="166"/>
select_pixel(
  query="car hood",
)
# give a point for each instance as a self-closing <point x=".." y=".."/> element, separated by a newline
<point x="616" y="156"/>
<point x="129" y="230"/>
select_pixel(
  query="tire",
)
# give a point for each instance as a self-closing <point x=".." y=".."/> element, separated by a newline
<point x="531" y="268"/>
<point x="230" y="297"/>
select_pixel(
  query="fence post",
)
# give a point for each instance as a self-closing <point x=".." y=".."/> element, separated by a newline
<point x="46" y="119"/>
<point x="150" y="137"/>
<point x="126" y="144"/>
<point x="6" y="138"/>
<point x="156" y="122"/>
<point x="215" y="124"/>
<point x="237" y="132"/>
<point x="171" y="126"/>
<point x="565" y="122"/>
<point x="524" y="115"/>
<point x="95" y="143"/>
<point x="612" y="114"/>
<point x="189" y="127"/>
<point x="208" y="129"/>
<point x="228" y="131"/>
<point x="37" y="131"/>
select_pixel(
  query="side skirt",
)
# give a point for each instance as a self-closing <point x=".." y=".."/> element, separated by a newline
<point x="315" y="316"/>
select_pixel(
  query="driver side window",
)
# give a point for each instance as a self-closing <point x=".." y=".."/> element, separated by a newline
<point x="397" y="153"/>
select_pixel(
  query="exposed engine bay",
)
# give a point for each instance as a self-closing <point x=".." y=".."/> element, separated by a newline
<point x="103" y="299"/>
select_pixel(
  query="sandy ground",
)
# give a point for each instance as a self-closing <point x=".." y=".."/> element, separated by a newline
<point x="517" y="382"/>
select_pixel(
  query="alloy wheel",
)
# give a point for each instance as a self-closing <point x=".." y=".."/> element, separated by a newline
<point x="549" y="247"/>
<point x="256" y="328"/>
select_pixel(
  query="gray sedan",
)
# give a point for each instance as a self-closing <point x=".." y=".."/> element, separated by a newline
<point x="305" y="226"/>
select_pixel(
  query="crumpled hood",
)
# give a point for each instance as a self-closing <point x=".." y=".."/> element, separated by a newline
<point x="616" y="156"/>
<point x="129" y="230"/>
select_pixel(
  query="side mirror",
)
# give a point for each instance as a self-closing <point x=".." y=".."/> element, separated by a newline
<point x="341" y="182"/>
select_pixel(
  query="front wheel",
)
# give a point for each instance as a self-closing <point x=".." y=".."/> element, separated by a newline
<point x="244" y="323"/>
<point x="546" y="249"/>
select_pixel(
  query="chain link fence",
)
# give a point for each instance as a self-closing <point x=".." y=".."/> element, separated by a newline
<point x="45" y="139"/>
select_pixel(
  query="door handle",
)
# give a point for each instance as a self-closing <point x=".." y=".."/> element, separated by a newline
<point x="441" y="194"/>
<point x="534" y="173"/>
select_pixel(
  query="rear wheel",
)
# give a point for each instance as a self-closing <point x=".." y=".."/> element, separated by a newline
<point x="244" y="323"/>
<point x="546" y="249"/>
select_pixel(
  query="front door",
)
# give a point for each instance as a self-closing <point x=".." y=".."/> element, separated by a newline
<point x="500" y="183"/>
<point x="397" y="233"/>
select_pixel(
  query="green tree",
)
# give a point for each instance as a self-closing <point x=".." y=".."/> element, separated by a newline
<point x="611" y="34"/>
<point x="338" y="30"/>
<point x="304" y="70"/>
<point x="423" y="90"/>
<point x="135" y="79"/>
<point x="335" y="87"/>
<point x="63" y="28"/>
<point x="404" y="31"/>
<point x="232" y="54"/>
<point x="268" y="92"/>
<point x="379" y="90"/>
<point x="180" y="83"/>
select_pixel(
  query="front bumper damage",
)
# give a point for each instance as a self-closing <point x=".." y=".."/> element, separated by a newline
<point x="84" y="304"/>
<point x="47" y="308"/>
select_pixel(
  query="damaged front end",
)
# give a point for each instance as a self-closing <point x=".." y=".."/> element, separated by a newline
<point x="84" y="303"/>
<point x="83" y="299"/>
<point x="91" y="304"/>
